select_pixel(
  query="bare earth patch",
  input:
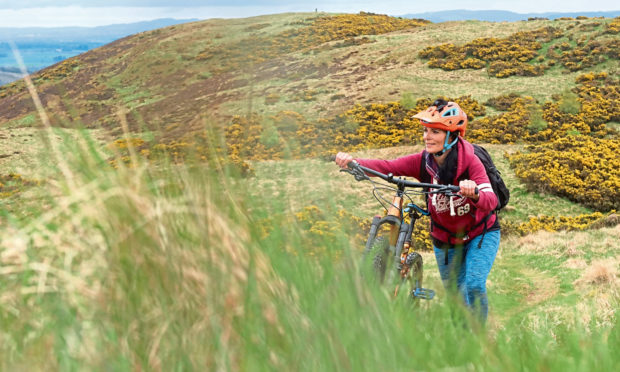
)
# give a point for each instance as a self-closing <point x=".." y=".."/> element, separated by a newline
<point x="544" y="286"/>
<point x="600" y="272"/>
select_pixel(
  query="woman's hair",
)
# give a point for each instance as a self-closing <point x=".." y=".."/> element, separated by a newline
<point x="447" y="171"/>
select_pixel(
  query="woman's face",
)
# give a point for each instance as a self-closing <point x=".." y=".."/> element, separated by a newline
<point x="434" y="139"/>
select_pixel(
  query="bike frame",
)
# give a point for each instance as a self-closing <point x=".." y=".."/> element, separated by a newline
<point x="400" y="235"/>
<point x="399" y="240"/>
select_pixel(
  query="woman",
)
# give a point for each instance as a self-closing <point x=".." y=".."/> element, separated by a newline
<point x="465" y="231"/>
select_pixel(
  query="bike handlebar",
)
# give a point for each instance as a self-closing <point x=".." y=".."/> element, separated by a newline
<point x="402" y="183"/>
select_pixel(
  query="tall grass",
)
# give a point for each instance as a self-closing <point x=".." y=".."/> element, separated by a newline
<point x="165" y="267"/>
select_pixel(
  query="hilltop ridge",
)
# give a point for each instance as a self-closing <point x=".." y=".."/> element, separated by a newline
<point x="173" y="80"/>
<point x="503" y="15"/>
<point x="165" y="75"/>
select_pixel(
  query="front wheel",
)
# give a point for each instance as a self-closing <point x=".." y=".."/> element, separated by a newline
<point x="416" y="273"/>
<point x="380" y="253"/>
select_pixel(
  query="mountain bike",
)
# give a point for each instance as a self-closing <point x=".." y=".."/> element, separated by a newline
<point x="390" y="235"/>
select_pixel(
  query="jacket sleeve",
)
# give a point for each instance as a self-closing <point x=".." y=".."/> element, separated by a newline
<point x="488" y="200"/>
<point x="406" y="166"/>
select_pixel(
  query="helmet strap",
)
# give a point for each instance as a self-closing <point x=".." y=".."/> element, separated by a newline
<point x="447" y="145"/>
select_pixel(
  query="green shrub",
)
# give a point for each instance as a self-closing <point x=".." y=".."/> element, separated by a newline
<point x="569" y="103"/>
<point x="407" y="101"/>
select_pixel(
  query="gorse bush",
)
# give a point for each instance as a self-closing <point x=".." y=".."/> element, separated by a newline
<point x="13" y="183"/>
<point x="583" y="169"/>
<point x="518" y="54"/>
<point x="286" y="134"/>
<point x="599" y="95"/>
<point x="561" y="223"/>
<point x="324" y="226"/>
<point x="502" y="69"/>
<point x="384" y="125"/>
<point x="289" y="134"/>
<point x="578" y="159"/>
<point x="591" y="49"/>
<point x="587" y="55"/>
<point x="196" y="147"/>
<point x="508" y="127"/>
<point x="584" y="111"/>
<point x="504" y="57"/>
<point x="613" y="27"/>
<point x="502" y="103"/>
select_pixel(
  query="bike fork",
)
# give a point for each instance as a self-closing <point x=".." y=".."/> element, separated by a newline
<point x="374" y="227"/>
<point x="400" y="241"/>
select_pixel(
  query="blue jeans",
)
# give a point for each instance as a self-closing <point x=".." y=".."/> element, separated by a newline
<point x="468" y="267"/>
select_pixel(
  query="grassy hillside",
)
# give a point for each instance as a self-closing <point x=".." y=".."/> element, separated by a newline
<point x="181" y="267"/>
<point x="173" y="82"/>
<point x="169" y="207"/>
<point x="174" y="75"/>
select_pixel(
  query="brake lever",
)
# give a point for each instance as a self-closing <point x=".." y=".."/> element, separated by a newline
<point x="357" y="173"/>
<point x="443" y="191"/>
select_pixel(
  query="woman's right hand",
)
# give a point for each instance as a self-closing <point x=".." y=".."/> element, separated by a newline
<point x="343" y="159"/>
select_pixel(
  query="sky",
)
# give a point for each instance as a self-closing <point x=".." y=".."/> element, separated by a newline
<point x="58" y="13"/>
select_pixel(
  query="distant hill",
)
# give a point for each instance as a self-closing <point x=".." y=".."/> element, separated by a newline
<point x="174" y="79"/>
<point x="41" y="47"/>
<point x="8" y="75"/>
<point x="501" y="15"/>
<point x="103" y="34"/>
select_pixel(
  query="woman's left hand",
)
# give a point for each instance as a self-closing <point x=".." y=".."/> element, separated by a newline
<point x="468" y="189"/>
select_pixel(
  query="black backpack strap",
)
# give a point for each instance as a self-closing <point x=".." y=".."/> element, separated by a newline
<point x="486" y="228"/>
<point x="424" y="176"/>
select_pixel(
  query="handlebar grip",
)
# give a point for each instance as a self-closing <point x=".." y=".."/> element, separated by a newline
<point x="475" y="190"/>
<point x="352" y="164"/>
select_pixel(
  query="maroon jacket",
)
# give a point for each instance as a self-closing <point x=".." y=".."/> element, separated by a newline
<point x="468" y="214"/>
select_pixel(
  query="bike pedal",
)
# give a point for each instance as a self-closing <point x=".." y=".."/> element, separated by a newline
<point x="423" y="293"/>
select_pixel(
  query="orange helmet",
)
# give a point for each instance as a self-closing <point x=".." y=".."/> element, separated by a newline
<point x="444" y="115"/>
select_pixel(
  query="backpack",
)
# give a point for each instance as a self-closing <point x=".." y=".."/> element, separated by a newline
<point x="495" y="177"/>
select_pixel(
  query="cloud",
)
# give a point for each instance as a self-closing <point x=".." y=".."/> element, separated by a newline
<point x="23" y="4"/>
<point x="57" y="13"/>
<point x="385" y="6"/>
<point x="100" y="16"/>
